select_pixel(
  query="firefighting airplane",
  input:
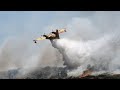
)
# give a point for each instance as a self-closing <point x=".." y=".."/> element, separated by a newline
<point x="51" y="36"/>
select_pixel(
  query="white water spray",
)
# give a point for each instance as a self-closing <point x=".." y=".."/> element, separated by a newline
<point x="100" y="55"/>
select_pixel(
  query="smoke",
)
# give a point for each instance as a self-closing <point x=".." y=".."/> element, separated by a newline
<point x="100" y="54"/>
<point x="51" y="58"/>
<point x="17" y="33"/>
<point x="92" y="40"/>
<point x="93" y="45"/>
<point x="17" y="53"/>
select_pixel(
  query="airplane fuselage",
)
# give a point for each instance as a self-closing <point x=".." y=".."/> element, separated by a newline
<point x="53" y="35"/>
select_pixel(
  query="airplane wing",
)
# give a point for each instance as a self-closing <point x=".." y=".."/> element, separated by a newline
<point x="62" y="31"/>
<point x="41" y="38"/>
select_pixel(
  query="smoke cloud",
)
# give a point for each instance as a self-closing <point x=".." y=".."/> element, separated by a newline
<point x="92" y="40"/>
<point x="96" y="44"/>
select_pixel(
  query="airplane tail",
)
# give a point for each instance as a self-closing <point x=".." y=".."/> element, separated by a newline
<point x="57" y="34"/>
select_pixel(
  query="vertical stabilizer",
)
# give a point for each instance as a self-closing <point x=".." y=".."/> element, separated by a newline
<point x="57" y="34"/>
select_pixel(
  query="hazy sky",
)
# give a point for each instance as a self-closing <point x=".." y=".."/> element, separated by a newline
<point x="19" y="28"/>
<point x="17" y="23"/>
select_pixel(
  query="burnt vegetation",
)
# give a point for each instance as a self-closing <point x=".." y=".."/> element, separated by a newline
<point x="61" y="73"/>
<point x="52" y="73"/>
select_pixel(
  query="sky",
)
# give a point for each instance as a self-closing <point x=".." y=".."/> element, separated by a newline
<point x="18" y="23"/>
<point x="18" y="29"/>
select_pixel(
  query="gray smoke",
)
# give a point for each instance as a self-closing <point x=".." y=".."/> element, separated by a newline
<point x="51" y="57"/>
<point x="96" y="45"/>
<point x="91" y="39"/>
<point x="17" y="53"/>
<point x="101" y="54"/>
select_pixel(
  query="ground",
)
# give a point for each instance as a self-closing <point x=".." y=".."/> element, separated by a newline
<point x="54" y="73"/>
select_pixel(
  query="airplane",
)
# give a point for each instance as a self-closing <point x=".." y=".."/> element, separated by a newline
<point x="51" y="36"/>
